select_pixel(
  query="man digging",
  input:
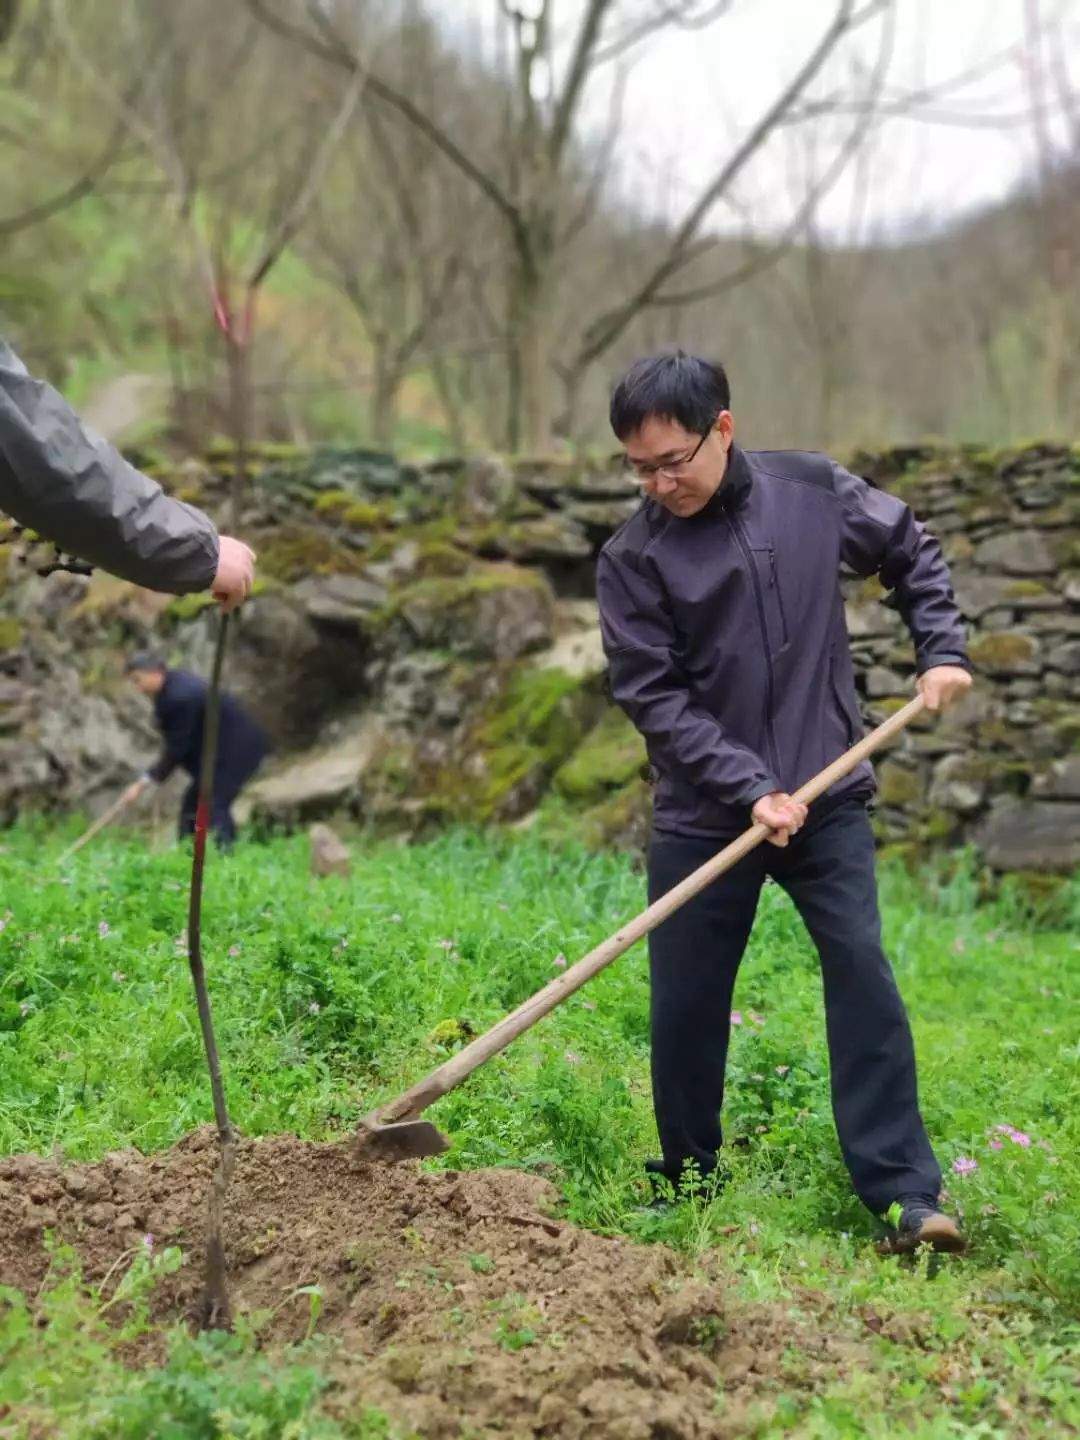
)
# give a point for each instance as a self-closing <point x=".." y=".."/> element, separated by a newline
<point x="723" y="625"/>
<point x="180" y="710"/>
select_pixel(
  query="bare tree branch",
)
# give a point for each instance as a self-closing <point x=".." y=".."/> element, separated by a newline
<point x="576" y="75"/>
<point x="769" y="255"/>
<point x="608" y="327"/>
<point x="71" y="194"/>
<point x="342" y="56"/>
<point x="666" y="15"/>
<point x="293" y="217"/>
<point x="587" y="209"/>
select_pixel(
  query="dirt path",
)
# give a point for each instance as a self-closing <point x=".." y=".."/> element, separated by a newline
<point x="463" y="1306"/>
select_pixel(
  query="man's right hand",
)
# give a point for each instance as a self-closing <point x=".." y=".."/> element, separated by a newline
<point x="783" y="815"/>
<point x="235" y="573"/>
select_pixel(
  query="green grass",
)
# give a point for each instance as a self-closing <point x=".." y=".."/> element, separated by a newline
<point x="331" y="995"/>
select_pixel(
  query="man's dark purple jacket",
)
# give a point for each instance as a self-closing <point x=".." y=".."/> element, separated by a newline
<point x="725" y="633"/>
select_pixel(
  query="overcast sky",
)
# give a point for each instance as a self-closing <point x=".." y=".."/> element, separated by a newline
<point x="691" y="95"/>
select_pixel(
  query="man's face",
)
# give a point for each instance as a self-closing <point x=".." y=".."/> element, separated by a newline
<point x="678" y="469"/>
<point x="148" y="681"/>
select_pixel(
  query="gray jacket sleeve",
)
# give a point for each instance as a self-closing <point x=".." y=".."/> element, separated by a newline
<point x="880" y="536"/>
<point x="74" y="489"/>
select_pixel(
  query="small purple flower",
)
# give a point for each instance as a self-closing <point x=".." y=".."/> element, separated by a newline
<point x="756" y="1018"/>
<point x="1018" y="1137"/>
<point x="234" y="951"/>
<point x="964" y="1165"/>
<point x="103" y="928"/>
<point x="148" y="1243"/>
<point x="996" y="1144"/>
<point x="560" y="961"/>
<point x="736" y="1017"/>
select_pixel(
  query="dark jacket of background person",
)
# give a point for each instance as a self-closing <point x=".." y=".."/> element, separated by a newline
<point x="180" y="708"/>
<point x="726" y="638"/>
<point x="74" y="489"/>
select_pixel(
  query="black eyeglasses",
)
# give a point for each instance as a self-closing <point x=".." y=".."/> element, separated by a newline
<point x="644" y="472"/>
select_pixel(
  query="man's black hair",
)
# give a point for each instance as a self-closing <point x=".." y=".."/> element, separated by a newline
<point x="144" y="660"/>
<point x="675" y="386"/>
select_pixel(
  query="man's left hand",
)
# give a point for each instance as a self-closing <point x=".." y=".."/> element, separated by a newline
<point x="943" y="686"/>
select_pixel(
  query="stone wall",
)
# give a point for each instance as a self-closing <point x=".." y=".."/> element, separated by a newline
<point x="424" y="649"/>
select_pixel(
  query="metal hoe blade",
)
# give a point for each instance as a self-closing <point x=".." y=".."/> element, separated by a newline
<point x="400" y="1140"/>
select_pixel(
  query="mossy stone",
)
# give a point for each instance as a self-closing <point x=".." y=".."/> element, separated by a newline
<point x="293" y="552"/>
<point x="897" y="785"/>
<point x="10" y="633"/>
<point x="1004" y="652"/>
<point x="608" y="758"/>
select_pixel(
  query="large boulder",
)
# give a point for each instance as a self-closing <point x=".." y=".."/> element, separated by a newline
<point x="1017" y="552"/>
<point x="1044" y="835"/>
<point x="497" y="612"/>
<point x="316" y="783"/>
<point x="294" y="672"/>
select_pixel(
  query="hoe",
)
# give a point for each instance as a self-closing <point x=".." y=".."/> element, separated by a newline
<point x="395" y="1130"/>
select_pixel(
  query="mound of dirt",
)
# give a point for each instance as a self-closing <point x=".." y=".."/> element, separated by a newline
<point x="462" y="1304"/>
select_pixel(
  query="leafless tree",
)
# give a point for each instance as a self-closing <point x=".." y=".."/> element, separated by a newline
<point x="524" y="183"/>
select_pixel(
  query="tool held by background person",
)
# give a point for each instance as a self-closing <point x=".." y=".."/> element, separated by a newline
<point x="394" y="1131"/>
<point x="115" y="810"/>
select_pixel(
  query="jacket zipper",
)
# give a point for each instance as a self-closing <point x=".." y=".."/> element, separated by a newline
<point x="748" y="560"/>
<point x="839" y="699"/>
<point x="775" y="581"/>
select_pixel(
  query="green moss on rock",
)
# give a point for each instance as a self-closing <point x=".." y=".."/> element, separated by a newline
<point x="189" y="607"/>
<point x="10" y="633"/>
<point x="898" y="786"/>
<point x="608" y="758"/>
<point x="293" y="552"/>
<point x="529" y="731"/>
<point x="1003" y="652"/>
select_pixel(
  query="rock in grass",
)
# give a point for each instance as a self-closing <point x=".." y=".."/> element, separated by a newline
<point x="329" y="855"/>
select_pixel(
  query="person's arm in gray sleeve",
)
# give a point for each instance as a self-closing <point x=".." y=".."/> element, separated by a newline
<point x="645" y="681"/>
<point x="880" y="536"/>
<point x="74" y="489"/>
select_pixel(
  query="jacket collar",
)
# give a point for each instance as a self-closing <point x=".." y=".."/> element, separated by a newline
<point x="733" y="489"/>
<point x="730" y="495"/>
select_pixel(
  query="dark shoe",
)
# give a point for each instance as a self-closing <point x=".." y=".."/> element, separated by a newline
<point x="918" y="1222"/>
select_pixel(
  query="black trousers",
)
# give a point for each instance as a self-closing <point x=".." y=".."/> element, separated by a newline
<point x="828" y="870"/>
<point x="222" y="824"/>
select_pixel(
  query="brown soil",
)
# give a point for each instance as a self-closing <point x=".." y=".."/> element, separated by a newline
<point x="464" y="1307"/>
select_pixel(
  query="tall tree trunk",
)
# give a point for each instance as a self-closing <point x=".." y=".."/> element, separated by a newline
<point x="530" y="370"/>
<point x="384" y="399"/>
<point x="450" y="402"/>
<point x="238" y="351"/>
